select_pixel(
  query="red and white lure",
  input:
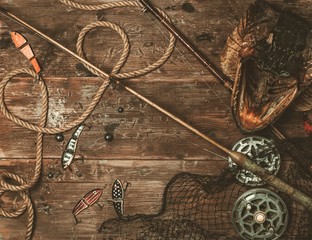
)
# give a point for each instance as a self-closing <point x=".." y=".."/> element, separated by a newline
<point x="88" y="200"/>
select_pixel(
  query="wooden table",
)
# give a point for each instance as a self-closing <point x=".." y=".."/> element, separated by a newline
<point x="148" y="148"/>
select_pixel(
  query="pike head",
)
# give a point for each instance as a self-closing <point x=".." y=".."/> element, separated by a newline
<point x="267" y="56"/>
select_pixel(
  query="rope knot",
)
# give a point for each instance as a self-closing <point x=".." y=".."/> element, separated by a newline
<point x="13" y="183"/>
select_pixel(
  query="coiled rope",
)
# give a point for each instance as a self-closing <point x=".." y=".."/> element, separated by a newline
<point x="15" y="183"/>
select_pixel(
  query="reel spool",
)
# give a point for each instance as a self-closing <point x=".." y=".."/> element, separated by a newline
<point x="260" y="214"/>
<point x="260" y="150"/>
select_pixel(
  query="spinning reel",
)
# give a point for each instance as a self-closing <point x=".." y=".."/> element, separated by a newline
<point x="260" y="150"/>
<point x="260" y="214"/>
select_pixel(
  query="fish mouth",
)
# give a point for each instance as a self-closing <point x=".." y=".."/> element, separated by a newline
<point x="267" y="56"/>
<point x="259" y="97"/>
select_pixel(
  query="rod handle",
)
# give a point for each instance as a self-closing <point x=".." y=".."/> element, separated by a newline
<point x="244" y="162"/>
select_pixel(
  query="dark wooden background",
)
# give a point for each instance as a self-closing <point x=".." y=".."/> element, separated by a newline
<point x="148" y="148"/>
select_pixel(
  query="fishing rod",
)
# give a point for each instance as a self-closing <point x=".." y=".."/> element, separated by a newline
<point x="226" y="82"/>
<point x="239" y="158"/>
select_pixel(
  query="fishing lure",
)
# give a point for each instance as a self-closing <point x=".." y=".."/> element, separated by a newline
<point x="69" y="153"/>
<point x="118" y="195"/>
<point x="22" y="44"/>
<point x="268" y="56"/>
<point x="88" y="200"/>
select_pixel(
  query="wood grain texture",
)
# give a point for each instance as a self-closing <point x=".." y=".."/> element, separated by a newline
<point x="148" y="148"/>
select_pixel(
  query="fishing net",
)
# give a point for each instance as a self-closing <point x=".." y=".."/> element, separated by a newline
<point x="200" y="207"/>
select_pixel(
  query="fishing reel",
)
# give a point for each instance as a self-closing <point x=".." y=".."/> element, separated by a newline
<point x="260" y="214"/>
<point x="260" y="150"/>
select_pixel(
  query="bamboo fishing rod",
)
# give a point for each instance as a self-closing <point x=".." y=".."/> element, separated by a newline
<point x="240" y="159"/>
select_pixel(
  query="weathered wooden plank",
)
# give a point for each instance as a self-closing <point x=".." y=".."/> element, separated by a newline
<point x="103" y="170"/>
<point x="55" y="221"/>
<point x="55" y="196"/>
<point x="139" y="131"/>
<point x="208" y="26"/>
